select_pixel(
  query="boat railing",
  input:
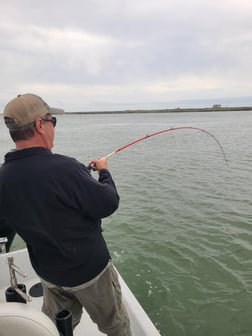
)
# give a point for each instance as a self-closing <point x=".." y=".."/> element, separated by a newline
<point x="3" y="242"/>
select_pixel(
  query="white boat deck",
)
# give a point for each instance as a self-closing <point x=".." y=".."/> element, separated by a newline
<point x="141" y="325"/>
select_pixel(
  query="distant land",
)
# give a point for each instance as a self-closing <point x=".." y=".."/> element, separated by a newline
<point x="214" y="108"/>
<point x="227" y="104"/>
<point x="242" y="103"/>
<point x="111" y="106"/>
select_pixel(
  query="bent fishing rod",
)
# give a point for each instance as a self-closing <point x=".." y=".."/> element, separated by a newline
<point x="90" y="167"/>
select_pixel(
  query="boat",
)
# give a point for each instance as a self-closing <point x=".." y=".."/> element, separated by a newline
<point x="25" y="318"/>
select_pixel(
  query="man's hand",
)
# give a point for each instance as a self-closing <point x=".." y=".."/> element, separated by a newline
<point x="99" y="164"/>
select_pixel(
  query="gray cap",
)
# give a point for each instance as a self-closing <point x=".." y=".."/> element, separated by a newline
<point x="24" y="109"/>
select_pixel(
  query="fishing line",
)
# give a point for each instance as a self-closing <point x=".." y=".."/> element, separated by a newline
<point x="161" y="132"/>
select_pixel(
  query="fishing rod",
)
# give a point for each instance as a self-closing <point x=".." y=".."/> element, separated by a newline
<point x="161" y="132"/>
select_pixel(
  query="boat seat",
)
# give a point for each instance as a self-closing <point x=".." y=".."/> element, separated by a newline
<point x="24" y="320"/>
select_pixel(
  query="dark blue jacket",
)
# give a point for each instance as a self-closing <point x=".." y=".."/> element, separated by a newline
<point x="56" y="206"/>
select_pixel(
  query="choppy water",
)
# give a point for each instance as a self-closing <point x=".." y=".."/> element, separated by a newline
<point x="182" y="237"/>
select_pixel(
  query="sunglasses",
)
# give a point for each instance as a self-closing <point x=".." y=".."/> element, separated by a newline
<point x="53" y="120"/>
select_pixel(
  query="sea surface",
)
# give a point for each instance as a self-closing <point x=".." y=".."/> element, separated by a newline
<point x="182" y="236"/>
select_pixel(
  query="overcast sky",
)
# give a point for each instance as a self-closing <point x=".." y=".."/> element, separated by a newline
<point x="94" y="54"/>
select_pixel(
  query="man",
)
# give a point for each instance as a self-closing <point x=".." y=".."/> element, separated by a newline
<point x="56" y="206"/>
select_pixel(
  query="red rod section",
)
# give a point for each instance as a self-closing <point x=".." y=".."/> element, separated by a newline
<point x="169" y="130"/>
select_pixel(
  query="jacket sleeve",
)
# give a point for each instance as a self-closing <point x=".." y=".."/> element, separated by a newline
<point x="96" y="198"/>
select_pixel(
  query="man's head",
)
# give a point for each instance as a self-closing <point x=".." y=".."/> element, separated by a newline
<point x="23" y="110"/>
<point x="28" y="117"/>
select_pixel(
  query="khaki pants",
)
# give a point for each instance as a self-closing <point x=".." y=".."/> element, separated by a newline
<point x="102" y="299"/>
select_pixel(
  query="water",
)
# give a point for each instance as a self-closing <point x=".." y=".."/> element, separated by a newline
<point x="182" y="237"/>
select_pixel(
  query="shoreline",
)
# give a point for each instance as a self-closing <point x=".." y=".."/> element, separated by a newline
<point x="170" y="110"/>
<point x="56" y="111"/>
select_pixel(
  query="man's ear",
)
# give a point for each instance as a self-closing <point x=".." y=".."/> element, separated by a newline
<point x="38" y="125"/>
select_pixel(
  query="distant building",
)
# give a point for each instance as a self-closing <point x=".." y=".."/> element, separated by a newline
<point x="217" y="106"/>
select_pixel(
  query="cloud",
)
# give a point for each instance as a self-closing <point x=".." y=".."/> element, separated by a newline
<point x="126" y="51"/>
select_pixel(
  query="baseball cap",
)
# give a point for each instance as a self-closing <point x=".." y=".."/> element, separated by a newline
<point x="24" y="109"/>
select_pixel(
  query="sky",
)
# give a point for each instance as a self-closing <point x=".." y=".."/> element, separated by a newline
<point x="89" y="55"/>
